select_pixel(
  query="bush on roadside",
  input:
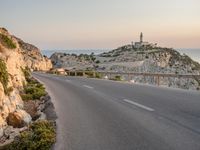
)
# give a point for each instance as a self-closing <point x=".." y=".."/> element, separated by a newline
<point x="117" y="78"/>
<point x="41" y="135"/>
<point x="33" y="90"/>
<point x="98" y="75"/>
<point x="90" y="74"/>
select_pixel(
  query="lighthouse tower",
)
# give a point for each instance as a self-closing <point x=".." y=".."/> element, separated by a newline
<point x="141" y="37"/>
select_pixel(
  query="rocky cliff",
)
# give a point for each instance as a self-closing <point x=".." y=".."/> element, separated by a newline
<point x="72" y="61"/>
<point x="16" y="55"/>
<point x="146" y="59"/>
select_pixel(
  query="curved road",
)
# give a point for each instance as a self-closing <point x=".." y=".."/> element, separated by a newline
<point x="105" y="115"/>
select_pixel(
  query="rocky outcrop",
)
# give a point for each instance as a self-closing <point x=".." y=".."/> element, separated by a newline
<point x="16" y="55"/>
<point x="33" y="57"/>
<point x="72" y="61"/>
<point x="18" y="119"/>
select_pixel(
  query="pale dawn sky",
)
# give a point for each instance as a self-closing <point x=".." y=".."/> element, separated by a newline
<point x="77" y="24"/>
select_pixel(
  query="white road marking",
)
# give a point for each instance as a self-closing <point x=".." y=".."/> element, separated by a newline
<point x="139" y="105"/>
<point x="87" y="86"/>
<point x="68" y="80"/>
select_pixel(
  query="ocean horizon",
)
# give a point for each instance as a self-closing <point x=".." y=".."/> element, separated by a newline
<point x="194" y="53"/>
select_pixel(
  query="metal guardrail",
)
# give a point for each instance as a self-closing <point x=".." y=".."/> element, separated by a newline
<point x="130" y="75"/>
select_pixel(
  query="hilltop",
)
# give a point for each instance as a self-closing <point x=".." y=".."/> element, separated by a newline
<point x="147" y="58"/>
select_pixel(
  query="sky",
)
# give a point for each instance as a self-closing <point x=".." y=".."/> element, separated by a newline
<point x="102" y="24"/>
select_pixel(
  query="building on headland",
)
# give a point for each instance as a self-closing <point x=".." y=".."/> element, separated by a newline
<point x="61" y="71"/>
<point x="142" y="43"/>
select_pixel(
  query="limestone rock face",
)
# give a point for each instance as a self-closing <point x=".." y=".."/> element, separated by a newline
<point x="33" y="58"/>
<point x="62" y="60"/>
<point x="25" y="54"/>
<point x="18" y="119"/>
<point x="16" y="54"/>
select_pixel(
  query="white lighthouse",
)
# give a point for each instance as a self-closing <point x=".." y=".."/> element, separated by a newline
<point x="141" y="37"/>
<point x="141" y="43"/>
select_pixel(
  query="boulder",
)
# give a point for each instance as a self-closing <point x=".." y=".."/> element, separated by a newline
<point x="18" y="119"/>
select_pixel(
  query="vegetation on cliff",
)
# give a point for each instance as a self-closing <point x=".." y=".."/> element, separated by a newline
<point x="7" y="42"/>
<point x="40" y="134"/>
<point x="4" y="77"/>
<point x="16" y="113"/>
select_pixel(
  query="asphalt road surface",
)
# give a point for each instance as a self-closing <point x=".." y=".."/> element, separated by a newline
<point x="97" y="114"/>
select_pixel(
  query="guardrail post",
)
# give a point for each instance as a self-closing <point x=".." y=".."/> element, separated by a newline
<point x="94" y="74"/>
<point x="158" y="80"/>
<point x="75" y="73"/>
<point x="110" y="76"/>
<point x="83" y="73"/>
<point x="129" y="77"/>
<point x="145" y="81"/>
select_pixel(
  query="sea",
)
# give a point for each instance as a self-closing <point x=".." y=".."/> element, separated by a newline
<point x="193" y="53"/>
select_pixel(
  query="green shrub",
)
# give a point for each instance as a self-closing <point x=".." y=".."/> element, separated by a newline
<point x="27" y="73"/>
<point x="26" y="97"/>
<point x="90" y="74"/>
<point x="38" y="93"/>
<point x="39" y="85"/>
<point x="117" y="78"/>
<point x="97" y="62"/>
<point x="40" y="136"/>
<point x="29" y="90"/>
<point x="79" y="73"/>
<point x="33" y="92"/>
<point x="32" y="82"/>
<point x="7" y="42"/>
<point x="4" y="77"/>
<point x="98" y="75"/>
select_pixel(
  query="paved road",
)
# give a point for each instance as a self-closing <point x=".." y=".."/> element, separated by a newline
<point x="105" y="115"/>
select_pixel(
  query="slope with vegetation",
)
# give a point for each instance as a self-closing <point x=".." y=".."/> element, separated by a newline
<point x="20" y="95"/>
